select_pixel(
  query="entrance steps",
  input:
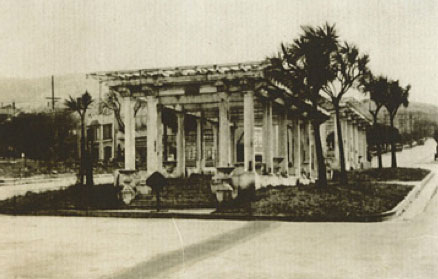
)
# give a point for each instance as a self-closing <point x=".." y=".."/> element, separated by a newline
<point x="193" y="192"/>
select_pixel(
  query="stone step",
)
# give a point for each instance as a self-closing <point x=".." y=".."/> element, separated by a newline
<point x="176" y="201"/>
<point x="173" y="204"/>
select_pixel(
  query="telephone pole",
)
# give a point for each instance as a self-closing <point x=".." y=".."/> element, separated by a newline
<point x="53" y="98"/>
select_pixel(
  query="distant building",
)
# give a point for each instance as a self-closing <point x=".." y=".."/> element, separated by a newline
<point x="7" y="111"/>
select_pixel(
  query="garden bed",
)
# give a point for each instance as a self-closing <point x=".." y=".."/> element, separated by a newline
<point x="388" y="174"/>
<point x="367" y="194"/>
<point x="309" y="202"/>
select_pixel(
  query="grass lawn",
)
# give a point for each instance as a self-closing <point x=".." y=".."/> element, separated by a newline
<point x="73" y="197"/>
<point x="365" y="195"/>
<point x="388" y="174"/>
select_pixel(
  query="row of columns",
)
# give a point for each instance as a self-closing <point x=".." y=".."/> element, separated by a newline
<point x="355" y="145"/>
<point x="288" y="140"/>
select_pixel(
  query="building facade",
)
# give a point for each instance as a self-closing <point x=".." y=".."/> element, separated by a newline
<point x="203" y="119"/>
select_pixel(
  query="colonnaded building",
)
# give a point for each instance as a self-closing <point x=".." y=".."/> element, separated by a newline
<point x="199" y="119"/>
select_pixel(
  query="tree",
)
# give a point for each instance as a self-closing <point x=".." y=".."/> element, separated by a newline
<point x="112" y="102"/>
<point x="305" y="67"/>
<point x="48" y="132"/>
<point x="349" y="67"/>
<point x="396" y="96"/>
<point x="376" y="87"/>
<point x="80" y="105"/>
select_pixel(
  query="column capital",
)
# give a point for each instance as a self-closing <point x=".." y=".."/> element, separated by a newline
<point x="223" y="96"/>
<point x="179" y="109"/>
<point x="249" y="93"/>
<point x="149" y="90"/>
<point x="247" y="84"/>
<point x="122" y="91"/>
<point x="222" y="86"/>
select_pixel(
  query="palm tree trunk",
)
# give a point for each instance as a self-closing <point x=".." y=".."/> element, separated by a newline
<point x="322" y="173"/>
<point x="89" y="165"/>
<point x="343" y="176"/>
<point x="378" y="145"/>
<point x="379" y="155"/>
<point x="393" y="155"/>
<point x="82" y="158"/>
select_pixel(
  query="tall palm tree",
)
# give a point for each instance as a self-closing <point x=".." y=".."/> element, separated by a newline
<point x="80" y="105"/>
<point x="396" y="97"/>
<point x="305" y="67"/>
<point x="349" y="67"/>
<point x="376" y="87"/>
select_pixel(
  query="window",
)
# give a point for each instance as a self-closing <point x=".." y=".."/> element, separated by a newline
<point x="107" y="131"/>
<point x="90" y="134"/>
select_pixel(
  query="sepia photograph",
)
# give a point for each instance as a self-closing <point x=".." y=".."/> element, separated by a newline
<point x="218" y="139"/>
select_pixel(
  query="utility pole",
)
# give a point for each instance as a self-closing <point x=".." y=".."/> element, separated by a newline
<point x="53" y="98"/>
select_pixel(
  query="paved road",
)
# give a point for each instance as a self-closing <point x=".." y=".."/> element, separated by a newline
<point x="71" y="247"/>
<point x="410" y="156"/>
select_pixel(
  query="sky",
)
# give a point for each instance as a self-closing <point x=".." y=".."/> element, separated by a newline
<point x="41" y="38"/>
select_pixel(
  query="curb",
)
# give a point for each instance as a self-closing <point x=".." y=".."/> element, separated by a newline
<point x="174" y="215"/>
<point x="406" y="202"/>
<point x="30" y="180"/>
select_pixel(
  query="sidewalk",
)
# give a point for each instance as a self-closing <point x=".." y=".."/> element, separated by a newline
<point x="423" y="197"/>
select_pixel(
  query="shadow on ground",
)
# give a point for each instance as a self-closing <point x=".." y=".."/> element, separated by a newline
<point x="195" y="252"/>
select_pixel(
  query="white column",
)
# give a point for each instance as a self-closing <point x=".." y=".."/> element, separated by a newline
<point x="215" y="145"/>
<point x="351" y="140"/>
<point x="154" y="142"/>
<point x="248" y="130"/>
<point x="360" y="145"/>
<point x="268" y="137"/>
<point x="224" y="131"/>
<point x="290" y="144"/>
<point x="337" y="160"/>
<point x="231" y="145"/>
<point x="297" y="147"/>
<point x="180" y="144"/>
<point x="199" y="147"/>
<point x="101" y="151"/>
<point x="283" y="140"/>
<point x="129" y="133"/>
<point x="365" y="145"/>
<point x="114" y="137"/>
<point x="345" y="138"/>
<point x="309" y="133"/>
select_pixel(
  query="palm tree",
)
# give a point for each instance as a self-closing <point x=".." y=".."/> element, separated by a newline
<point x="305" y="67"/>
<point x="396" y="96"/>
<point x="349" y="67"/>
<point x="376" y="87"/>
<point x="80" y="105"/>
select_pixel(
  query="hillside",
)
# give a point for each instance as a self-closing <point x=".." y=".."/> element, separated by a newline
<point x="31" y="94"/>
<point x="431" y="111"/>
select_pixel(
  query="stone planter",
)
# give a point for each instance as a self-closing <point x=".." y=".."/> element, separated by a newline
<point x="126" y="181"/>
